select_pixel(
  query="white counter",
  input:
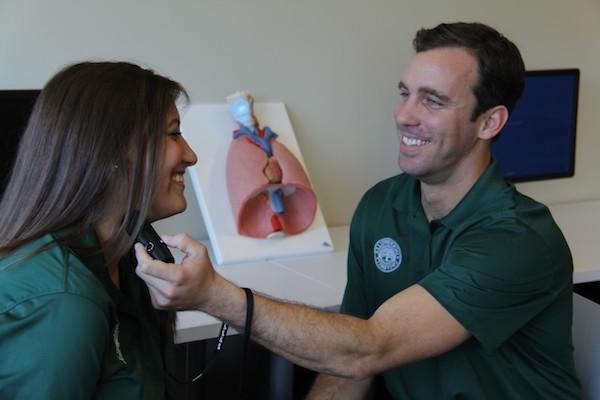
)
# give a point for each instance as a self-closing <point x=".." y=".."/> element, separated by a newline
<point x="316" y="280"/>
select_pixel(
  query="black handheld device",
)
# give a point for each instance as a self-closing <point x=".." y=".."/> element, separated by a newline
<point x="154" y="244"/>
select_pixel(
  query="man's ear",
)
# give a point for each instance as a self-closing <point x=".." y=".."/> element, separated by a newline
<point x="494" y="120"/>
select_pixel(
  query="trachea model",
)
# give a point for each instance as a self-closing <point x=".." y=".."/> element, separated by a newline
<point x="268" y="189"/>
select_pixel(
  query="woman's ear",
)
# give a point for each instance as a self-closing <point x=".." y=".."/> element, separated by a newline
<point x="494" y="120"/>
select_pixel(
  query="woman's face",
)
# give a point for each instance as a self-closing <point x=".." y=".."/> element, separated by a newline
<point x="168" y="198"/>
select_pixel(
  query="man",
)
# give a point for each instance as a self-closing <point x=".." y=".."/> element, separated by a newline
<point x="458" y="286"/>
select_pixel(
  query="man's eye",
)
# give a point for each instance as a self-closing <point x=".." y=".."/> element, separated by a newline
<point x="433" y="102"/>
<point x="403" y="93"/>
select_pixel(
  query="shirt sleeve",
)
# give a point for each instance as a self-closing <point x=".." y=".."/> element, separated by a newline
<point x="52" y="348"/>
<point x="494" y="281"/>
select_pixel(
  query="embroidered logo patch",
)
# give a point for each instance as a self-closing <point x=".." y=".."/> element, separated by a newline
<point x="388" y="255"/>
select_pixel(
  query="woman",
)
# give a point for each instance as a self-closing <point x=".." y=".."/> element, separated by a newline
<point x="101" y="154"/>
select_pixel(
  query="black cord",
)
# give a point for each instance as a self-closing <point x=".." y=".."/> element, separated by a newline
<point x="218" y="348"/>
<point x="221" y="340"/>
<point x="247" y="334"/>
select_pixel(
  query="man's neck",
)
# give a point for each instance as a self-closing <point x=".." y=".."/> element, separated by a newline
<point x="439" y="199"/>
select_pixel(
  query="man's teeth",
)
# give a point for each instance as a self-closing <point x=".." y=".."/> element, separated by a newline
<point x="413" y="142"/>
<point x="178" y="178"/>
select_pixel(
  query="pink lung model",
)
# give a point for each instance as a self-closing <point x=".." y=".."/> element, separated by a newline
<point x="269" y="191"/>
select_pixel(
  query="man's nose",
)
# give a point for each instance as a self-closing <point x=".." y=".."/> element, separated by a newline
<point x="405" y="113"/>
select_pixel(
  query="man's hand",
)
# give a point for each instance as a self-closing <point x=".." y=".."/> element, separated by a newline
<point x="178" y="286"/>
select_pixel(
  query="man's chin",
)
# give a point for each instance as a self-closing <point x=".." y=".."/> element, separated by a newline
<point x="404" y="167"/>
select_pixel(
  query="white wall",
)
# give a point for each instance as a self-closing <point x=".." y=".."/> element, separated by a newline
<point x="335" y="64"/>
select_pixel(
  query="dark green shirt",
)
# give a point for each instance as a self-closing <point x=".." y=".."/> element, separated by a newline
<point x="497" y="262"/>
<point x="66" y="332"/>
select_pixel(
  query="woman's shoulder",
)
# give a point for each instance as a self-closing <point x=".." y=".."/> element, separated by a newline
<point x="43" y="268"/>
<point x="55" y="324"/>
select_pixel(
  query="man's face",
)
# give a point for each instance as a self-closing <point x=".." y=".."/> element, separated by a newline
<point x="433" y="115"/>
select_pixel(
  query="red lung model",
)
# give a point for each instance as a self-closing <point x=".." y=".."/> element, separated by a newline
<point x="268" y="189"/>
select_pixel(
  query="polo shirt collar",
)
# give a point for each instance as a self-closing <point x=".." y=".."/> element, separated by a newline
<point x="488" y="193"/>
<point x="85" y="244"/>
<point x="87" y="247"/>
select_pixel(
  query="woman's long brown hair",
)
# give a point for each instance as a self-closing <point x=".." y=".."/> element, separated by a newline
<point x="96" y="134"/>
<point x="96" y="128"/>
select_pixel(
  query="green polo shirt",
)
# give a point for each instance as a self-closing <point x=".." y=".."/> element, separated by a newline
<point x="66" y="332"/>
<point x="497" y="262"/>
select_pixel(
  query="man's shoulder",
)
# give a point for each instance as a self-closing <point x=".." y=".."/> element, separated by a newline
<point x="29" y="273"/>
<point x="523" y="237"/>
<point x="526" y="213"/>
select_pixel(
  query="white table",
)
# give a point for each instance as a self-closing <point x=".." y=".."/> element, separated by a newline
<point x="317" y="280"/>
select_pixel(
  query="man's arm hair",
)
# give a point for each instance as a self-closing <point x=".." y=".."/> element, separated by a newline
<point x="409" y="326"/>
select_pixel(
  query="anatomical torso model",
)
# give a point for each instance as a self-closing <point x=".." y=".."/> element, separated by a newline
<point x="269" y="191"/>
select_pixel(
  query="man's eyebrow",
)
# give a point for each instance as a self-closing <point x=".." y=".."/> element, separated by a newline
<point x="426" y="91"/>
<point x="430" y="91"/>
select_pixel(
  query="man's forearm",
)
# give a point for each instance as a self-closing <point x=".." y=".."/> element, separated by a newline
<point x="315" y="339"/>
<point x="328" y="387"/>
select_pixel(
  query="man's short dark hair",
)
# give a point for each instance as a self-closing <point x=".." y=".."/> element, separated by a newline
<point x="501" y="74"/>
